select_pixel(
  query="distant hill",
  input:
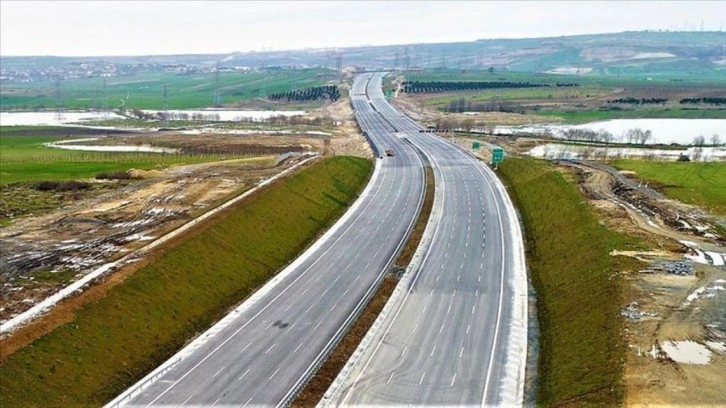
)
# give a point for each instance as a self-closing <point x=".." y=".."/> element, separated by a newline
<point x="680" y="54"/>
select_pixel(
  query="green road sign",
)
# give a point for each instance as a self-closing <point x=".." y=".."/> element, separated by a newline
<point x="475" y="145"/>
<point x="497" y="155"/>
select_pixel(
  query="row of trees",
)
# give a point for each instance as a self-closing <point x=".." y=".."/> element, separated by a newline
<point x="462" y="105"/>
<point x="641" y="101"/>
<point x="327" y="92"/>
<point x="453" y="86"/>
<point x="196" y="116"/>
<point x="699" y="142"/>
<point x="710" y="101"/>
<point x="632" y="136"/>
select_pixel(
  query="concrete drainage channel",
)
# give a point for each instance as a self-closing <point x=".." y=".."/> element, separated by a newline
<point x="79" y="285"/>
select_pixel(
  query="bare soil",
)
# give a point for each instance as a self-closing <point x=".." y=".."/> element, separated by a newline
<point x="43" y="254"/>
<point x="659" y="380"/>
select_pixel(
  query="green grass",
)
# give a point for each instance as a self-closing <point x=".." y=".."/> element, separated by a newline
<point x="579" y="289"/>
<point x="25" y="158"/>
<point x="500" y="95"/>
<point x="113" y="342"/>
<point x="598" y="115"/>
<point x="702" y="184"/>
<point x="145" y="91"/>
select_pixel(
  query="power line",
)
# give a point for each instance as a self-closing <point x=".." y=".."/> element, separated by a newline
<point x="165" y="115"/>
<point x="217" y="95"/>
<point x="58" y="100"/>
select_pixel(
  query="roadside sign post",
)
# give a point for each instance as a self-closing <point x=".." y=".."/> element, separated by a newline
<point x="497" y="156"/>
<point x="475" y="145"/>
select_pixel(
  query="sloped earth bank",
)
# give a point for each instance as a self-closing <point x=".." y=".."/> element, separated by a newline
<point x="108" y="343"/>
<point x="677" y="304"/>
<point x="42" y="254"/>
<point x="676" y="318"/>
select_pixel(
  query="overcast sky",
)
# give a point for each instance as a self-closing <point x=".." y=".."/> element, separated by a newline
<point x="97" y="28"/>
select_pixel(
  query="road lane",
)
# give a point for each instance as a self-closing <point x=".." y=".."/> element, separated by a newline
<point x="450" y="338"/>
<point x="264" y="355"/>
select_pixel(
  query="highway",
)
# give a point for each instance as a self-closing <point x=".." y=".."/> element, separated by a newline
<point x="458" y="335"/>
<point x="266" y="352"/>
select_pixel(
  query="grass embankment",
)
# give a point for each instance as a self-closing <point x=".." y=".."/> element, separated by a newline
<point x="113" y="342"/>
<point x="579" y="289"/>
<point x="315" y="389"/>
<point x="25" y="158"/>
<point x="702" y="184"/>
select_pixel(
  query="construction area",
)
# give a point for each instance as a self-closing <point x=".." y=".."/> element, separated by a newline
<point x="116" y="219"/>
<point x="676" y="327"/>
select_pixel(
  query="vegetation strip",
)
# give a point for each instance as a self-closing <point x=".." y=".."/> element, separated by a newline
<point x="578" y="284"/>
<point x="702" y="184"/>
<point x="113" y="342"/>
<point x="315" y="389"/>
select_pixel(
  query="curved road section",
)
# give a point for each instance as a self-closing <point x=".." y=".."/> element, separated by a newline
<point x="457" y="334"/>
<point x="267" y="349"/>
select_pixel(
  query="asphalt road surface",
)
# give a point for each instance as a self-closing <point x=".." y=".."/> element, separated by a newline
<point x="269" y="351"/>
<point x="450" y="340"/>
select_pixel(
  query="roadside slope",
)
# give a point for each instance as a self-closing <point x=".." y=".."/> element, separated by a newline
<point x="140" y="323"/>
<point x="579" y="287"/>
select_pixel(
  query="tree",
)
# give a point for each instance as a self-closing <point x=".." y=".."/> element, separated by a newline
<point x="467" y="124"/>
<point x="491" y="70"/>
<point x="715" y="140"/>
<point x="605" y="136"/>
<point x="645" y="136"/>
<point x="698" y="143"/>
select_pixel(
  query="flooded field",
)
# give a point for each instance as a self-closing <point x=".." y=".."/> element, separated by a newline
<point x="561" y="151"/>
<point x="665" y="131"/>
<point x="64" y="118"/>
<point x="225" y="115"/>
<point x="74" y="144"/>
<point x="52" y="118"/>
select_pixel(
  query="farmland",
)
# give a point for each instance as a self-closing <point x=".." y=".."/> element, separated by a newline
<point x="146" y="91"/>
<point x="25" y="158"/>
<point x="593" y="97"/>
<point x="701" y="184"/>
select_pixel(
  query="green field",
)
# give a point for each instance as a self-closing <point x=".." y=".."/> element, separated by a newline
<point x="113" y="342"/>
<point x="598" y="115"/>
<point x="702" y="184"/>
<point x="584" y="103"/>
<point x="25" y="158"/>
<point x="145" y="91"/>
<point x="579" y="290"/>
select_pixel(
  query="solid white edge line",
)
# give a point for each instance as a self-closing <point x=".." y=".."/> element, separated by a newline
<point x="251" y="301"/>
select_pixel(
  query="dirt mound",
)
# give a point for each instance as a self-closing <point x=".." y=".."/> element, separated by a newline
<point x="145" y="174"/>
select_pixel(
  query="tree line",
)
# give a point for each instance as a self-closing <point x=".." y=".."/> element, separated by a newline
<point x="710" y="101"/>
<point x="641" y="101"/>
<point x="462" y="105"/>
<point x="453" y="86"/>
<point x="329" y="92"/>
